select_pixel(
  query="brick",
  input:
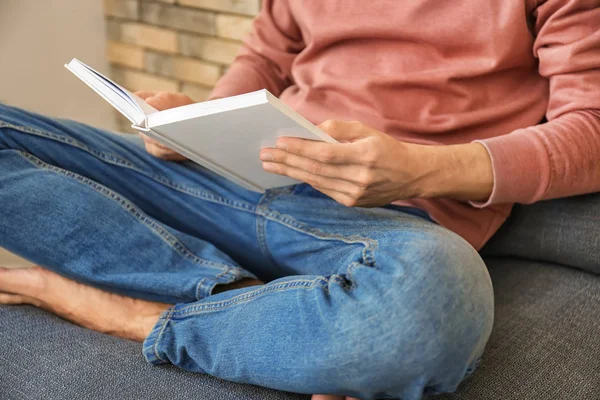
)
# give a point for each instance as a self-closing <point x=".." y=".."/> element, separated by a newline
<point x="149" y="36"/>
<point x="113" y="30"/>
<point x="182" y="68"/>
<point x="247" y="7"/>
<point x="160" y="1"/>
<point x="125" y="54"/>
<point x="180" y="18"/>
<point x="135" y="80"/>
<point x="127" y="9"/>
<point x="210" y="49"/>
<point x="197" y="93"/>
<point x="158" y="64"/>
<point x="233" y="26"/>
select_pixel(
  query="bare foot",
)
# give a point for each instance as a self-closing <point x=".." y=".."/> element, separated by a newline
<point x="93" y="308"/>
<point x="84" y="305"/>
<point x="89" y="307"/>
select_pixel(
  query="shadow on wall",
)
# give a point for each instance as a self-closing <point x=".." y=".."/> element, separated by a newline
<point x="36" y="38"/>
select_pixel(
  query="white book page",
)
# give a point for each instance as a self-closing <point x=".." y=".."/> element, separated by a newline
<point x="204" y="108"/>
<point x="131" y="106"/>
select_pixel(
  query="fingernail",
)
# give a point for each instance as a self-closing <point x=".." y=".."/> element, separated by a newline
<point x="266" y="157"/>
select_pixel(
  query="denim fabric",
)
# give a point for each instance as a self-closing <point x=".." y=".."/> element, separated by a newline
<point x="373" y="303"/>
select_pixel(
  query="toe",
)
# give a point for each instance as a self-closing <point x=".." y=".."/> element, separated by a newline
<point x="20" y="281"/>
<point x="16" y="299"/>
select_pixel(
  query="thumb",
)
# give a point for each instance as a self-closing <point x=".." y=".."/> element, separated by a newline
<point x="144" y="94"/>
<point x="344" y="131"/>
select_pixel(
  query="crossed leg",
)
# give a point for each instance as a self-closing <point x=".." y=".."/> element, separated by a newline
<point x="366" y="303"/>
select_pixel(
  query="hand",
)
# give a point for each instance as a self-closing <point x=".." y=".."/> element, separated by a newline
<point x="369" y="168"/>
<point x="162" y="101"/>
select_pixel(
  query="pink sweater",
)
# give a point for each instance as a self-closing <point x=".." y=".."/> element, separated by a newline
<point x="443" y="72"/>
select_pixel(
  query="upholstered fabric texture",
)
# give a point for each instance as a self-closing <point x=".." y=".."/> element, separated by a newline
<point x="563" y="231"/>
<point x="545" y="345"/>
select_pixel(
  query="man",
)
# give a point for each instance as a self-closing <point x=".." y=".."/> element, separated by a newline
<point x="373" y="286"/>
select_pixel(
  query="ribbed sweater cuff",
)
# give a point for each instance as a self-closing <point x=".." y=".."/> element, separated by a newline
<point x="521" y="168"/>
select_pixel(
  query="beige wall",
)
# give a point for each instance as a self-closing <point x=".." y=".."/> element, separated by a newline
<point x="36" y="38"/>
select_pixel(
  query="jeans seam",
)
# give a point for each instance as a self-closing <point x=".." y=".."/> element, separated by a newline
<point x="261" y="222"/>
<point x="370" y="245"/>
<point x="200" y="288"/>
<point x="120" y="162"/>
<point x="167" y="318"/>
<point x="263" y="214"/>
<point x="195" y="309"/>
<point x="131" y="209"/>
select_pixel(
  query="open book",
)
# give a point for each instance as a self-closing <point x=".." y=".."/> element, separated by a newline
<point x="223" y="135"/>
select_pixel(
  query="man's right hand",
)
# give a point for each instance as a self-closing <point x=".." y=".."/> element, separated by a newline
<point x="162" y="101"/>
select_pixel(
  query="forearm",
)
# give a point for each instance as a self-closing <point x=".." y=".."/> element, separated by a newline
<point x="557" y="159"/>
<point x="461" y="172"/>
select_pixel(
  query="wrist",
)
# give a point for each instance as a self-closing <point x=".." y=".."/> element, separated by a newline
<point x="461" y="172"/>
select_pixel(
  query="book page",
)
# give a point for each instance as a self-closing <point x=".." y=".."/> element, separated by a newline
<point x="131" y="106"/>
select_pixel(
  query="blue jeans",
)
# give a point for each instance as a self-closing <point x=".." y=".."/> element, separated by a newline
<point x="372" y="303"/>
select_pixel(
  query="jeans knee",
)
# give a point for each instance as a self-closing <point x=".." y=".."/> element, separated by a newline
<point x="418" y="326"/>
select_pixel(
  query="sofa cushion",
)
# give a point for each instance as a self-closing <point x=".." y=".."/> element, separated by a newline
<point x="546" y="338"/>
<point x="563" y="231"/>
<point x="545" y="344"/>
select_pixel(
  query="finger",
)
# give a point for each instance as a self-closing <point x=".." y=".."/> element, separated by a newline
<point x="345" y="131"/>
<point x="346" y="172"/>
<point x="327" y="397"/>
<point x="164" y="153"/>
<point x="157" y="151"/>
<point x="330" y="153"/>
<point x="144" y="94"/>
<point x="171" y="156"/>
<point x="340" y="197"/>
<point x="175" y="157"/>
<point x="165" y="100"/>
<point x="334" y="184"/>
<point x="150" y="141"/>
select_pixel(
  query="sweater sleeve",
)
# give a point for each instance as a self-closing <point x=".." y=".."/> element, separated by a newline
<point x="265" y="59"/>
<point x="561" y="157"/>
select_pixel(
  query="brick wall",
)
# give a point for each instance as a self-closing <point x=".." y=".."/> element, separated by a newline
<point x="174" y="45"/>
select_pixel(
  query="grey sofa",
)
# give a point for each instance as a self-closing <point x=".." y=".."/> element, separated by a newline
<point x="545" y="266"/>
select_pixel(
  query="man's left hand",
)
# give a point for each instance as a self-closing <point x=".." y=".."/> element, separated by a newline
<point x="368" y="168"/>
